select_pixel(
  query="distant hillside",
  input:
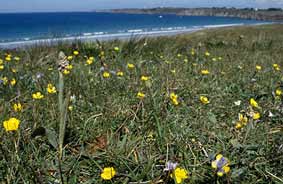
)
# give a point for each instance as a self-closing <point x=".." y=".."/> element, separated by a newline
<point x="272" y="14"/>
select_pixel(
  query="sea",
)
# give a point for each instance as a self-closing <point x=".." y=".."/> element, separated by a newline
<point x="17" y="29"/>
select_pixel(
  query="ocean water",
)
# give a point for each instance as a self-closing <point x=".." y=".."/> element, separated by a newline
<point x="19" y="28"/>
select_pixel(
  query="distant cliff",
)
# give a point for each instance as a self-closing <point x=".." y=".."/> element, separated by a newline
<point x="272" y="14"/>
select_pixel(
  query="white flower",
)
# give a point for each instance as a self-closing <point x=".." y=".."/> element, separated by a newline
<point x="270" y="114"/>
<point x="170" y="166"/>
<point x="238" y="103"/>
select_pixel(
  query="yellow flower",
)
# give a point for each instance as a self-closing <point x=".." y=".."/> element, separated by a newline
<point x="174" y="99"/>
<point x="258" y="67"/>
<point x="13" y="82"/>
<point x="51" y="89"/>
<point x="278" y="92"/>
<point x="1" y="61"/>
<point x="144" y="78"/>
<point x="69" y="67"/>
<point x="17" y="107"/>
<point x="186" y="60"/>
<point x="207" y="53"/>
<point x="5" y="80"/>
<point x="16" y="58"/>
<point x="243" y="119"/>
<point x="75" y="52"/>
<point x="204" y="72"/>
<point x="221" y="164"/>
<point x="253" y="103"/>
<point x="8" y="58"/>
<point x="106" y="74"/>
<point x="37" y="95"/>
<point x="89" y="61"/>
<point x="130" y="66"/>
<point x="66" y="72"/>
<point x="193" y="52"/>
<point x="276" y="67"/>
<point x="50" y="69"/>
<point x="70" y="108"/>
<point x="70" y="58"/>
<point x="120" y="74"/>
<point x="214" y="59"/>
<point x="239" y="125"/>
<point x="108" y="173"/>
<point x="256" y="115"/>
<point x="204" y="99"/>
<point x="219" y="58"/>
<point x="140" y="95"/>
<point x="12" y="124"/>
<point x="179" y="175"/>
<point x="173" y="71"/>
<point x="179" y="55"/>
<point x="1" y="67"/>
<point x="91" y="58"/>
<point x="116" y="49"/>
<point x="14" y="70"/>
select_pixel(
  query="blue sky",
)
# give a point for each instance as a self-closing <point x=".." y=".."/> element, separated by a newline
<point x="88" y="5"/>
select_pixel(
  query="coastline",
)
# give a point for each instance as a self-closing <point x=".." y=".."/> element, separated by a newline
<point x="271" y="14"/>
<point x="134" y="34"/>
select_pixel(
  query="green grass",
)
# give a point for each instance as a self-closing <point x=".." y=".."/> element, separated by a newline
<point x="109" y="126"/>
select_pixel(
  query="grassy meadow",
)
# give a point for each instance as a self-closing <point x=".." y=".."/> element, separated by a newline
<point x="129" y="111"/>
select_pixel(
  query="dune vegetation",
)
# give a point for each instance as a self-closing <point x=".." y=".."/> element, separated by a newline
<point x="204" y="107"/>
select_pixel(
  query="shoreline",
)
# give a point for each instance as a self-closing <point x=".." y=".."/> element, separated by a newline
<point x="121" y="36"/>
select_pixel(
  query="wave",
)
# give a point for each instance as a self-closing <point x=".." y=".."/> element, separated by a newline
<point x="115" y="35"/>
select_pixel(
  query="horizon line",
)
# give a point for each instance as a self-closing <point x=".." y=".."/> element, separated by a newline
<point x="108" y="9"/>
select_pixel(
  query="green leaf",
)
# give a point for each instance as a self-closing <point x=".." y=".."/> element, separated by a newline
<point x="212" y="117"/>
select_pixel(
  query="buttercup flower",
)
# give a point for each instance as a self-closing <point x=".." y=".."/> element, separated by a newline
<point x="13" y="82"/>
<point x="174" y="99"/>
<point x="51" y="89"/>
<point x="75" y="52"/>
<point x="106" y="74"/>
<point x="179" y="175"/>
<point x="5" y="80"/>
<point x="243" y="120"/>
<point x="37" y="95"/>
<point x="12" y="124"/>
<point x="221" y="165"/>
<point x="120" y="74"/>
<point x="253" y="103"/>
<point x="204" y="100"/>
<point x="17" y="107"/>
<point x="276" y="67"/>
<point x="130" y="66"/>
<point x="108" y="173"/>
<point x="140" y="95"/>
<point x="70" y="58"/>
<point x="8" y="58"/>
<point x="117" y="49"/>
<point x="278" y="92"/>
<point x="144" y="78"/>
<point x="16" y="58"/>
<point x="204" y="72"/>
<point x="258" y="67"/>
<point x="256" y="115"/>
<point x="207" y="53"/>
<point x="1" y="67"/>
<point x="69" y="67"/>
<point x="66" y="72"/>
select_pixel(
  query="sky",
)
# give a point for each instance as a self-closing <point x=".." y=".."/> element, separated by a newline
<point x="89" y="5"/>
